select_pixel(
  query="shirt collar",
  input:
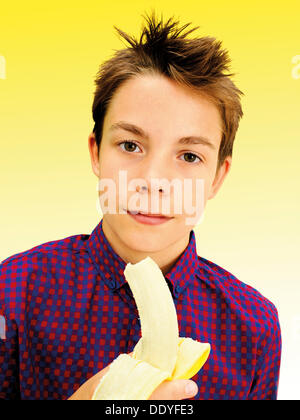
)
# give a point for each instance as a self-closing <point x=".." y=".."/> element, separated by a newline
<point x="110" y="266"/>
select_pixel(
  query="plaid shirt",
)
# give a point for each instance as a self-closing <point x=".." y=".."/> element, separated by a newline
<point x="69" y="312"/>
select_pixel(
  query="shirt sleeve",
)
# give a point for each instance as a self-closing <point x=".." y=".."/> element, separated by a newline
<point x="265" y="383"/>
<point x="9" y="343"/>
<point x="9" y="375"/>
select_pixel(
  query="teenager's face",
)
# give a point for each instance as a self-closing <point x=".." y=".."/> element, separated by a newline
<point x="165" y="112"/>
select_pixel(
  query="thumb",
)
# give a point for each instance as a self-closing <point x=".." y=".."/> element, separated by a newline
<point x="175" y="390"/>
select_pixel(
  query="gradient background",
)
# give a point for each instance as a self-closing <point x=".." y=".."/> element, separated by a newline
<point x="52" y="52"/>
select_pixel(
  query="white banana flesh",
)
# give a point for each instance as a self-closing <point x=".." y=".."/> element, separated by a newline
<point x="160" y="354"/>
<point x="159" y="343"/>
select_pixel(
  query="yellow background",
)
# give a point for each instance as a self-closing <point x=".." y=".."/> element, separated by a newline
<point x="48" y="191"/>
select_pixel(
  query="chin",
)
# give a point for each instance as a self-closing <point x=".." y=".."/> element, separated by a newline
<point x="145" y="239"/>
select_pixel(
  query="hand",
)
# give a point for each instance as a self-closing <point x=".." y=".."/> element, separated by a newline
<point x="173" y="390"/>
<point x="87" y="389"/>
<point x="167" y="390"/>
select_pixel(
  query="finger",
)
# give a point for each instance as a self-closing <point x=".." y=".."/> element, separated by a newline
<point x="174" y="390"/>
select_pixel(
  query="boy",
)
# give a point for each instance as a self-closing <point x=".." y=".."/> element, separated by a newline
<point x="164" y="108"/>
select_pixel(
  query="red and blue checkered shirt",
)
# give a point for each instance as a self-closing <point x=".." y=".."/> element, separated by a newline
<point x="69" y="312"/>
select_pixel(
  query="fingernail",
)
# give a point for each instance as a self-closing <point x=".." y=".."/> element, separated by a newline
<point x="191" y="388"/>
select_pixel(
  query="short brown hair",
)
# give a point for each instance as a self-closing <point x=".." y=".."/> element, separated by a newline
<point x="199" y="63"/>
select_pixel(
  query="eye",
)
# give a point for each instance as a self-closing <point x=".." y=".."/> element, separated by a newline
<point x="129" y="146"/>
<point x="190" y="157"/>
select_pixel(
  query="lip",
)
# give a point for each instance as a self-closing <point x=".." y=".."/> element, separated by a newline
<point x="149" y="219"/>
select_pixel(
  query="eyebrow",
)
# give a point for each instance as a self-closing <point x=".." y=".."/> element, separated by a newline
<point x="134" y="129"/>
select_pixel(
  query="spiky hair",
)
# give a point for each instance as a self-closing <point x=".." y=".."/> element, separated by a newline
<point x="163" y="48"/>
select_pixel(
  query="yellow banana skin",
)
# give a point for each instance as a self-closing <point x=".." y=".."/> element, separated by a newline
<point x="160" y="354"/>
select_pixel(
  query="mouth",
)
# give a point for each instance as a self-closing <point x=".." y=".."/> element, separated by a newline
<point x="148" y="218"/>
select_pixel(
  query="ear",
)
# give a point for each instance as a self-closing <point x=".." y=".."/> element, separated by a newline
<point x="220" y="177"/>
<point x="94" y="154"/>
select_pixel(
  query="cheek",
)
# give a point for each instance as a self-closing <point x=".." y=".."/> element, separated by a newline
<point x="107" y="187"/>
<point x="108" y="172"/>
<point x="111" y="163"/>
<point x="196" y="189"/>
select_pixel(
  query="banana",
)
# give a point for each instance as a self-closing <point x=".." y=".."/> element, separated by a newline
<point x="160" y="354"/>
<point x="159" y="343"/>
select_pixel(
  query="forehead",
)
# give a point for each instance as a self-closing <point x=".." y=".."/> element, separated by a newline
<point x="162" y="106"/>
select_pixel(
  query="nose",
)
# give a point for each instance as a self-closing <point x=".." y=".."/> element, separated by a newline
<point x="155" y="174"/>
<point x="144" y="188"/>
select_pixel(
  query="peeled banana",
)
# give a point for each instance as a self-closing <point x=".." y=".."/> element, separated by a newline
<point x="160" y="354"/>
